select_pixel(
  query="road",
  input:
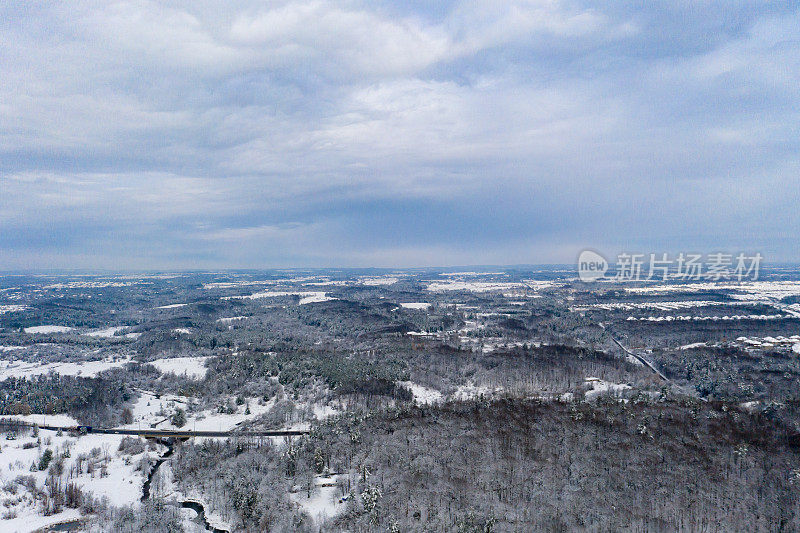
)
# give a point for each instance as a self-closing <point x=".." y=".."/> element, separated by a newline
<point x="639" y="358"/>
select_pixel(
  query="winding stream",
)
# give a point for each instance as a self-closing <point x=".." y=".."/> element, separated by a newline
<point x="188" y="504"/>
<point x="146" y="486"/>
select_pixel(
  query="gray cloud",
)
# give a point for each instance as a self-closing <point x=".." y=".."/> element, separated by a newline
<point x="149" y="135"/>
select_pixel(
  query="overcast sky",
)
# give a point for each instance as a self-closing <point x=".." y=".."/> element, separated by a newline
<point x="264" y="134"/>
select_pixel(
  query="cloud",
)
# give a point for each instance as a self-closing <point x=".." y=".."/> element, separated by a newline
<point x="186" y="134"/>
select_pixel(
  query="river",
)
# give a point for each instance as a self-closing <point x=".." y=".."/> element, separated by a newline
<point x="193" y="505"/>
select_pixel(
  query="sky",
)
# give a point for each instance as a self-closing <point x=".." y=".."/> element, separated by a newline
<point x="196" y="135"/>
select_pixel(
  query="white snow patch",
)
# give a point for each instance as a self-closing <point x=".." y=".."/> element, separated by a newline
<point x="29" y="517"/>
<point x="321" y="412"/>
<point x="193" y="367"/>
<point x="750" y="406"/>
<point x="422" y="395"/>
<point x="171" y="306"/>
<point x="388" y="280"/>
<point x="693" y="345"/>
<point x="115" y="475"/>
<point x="10" y="348"/>
<point x="43" y="420"/>
<point x="22" y="369"/>
<point x="152" y="411"/>
<point x="685" y="318"/>
<point x="472" y="286"/>
<point x="598" y="387"/>
<point x="471" y="274"/>
<point x="415" y="305"/>
<point x="182" y="331"/>
<point x="48" y="329"/>
<point x="104" y="333"/>
<point x="306" y="297"/>
<point x="228" y="320"/>
<point x="12" y="308"/>
<point x="315" y="298"/>
<point x="471" y="391"/>
<point x="324" y="502"/>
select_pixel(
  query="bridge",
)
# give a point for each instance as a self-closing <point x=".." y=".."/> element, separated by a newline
<point x="177" y="434"/>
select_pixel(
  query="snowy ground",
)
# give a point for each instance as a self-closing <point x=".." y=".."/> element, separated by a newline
<point x="104" y="333"/>
<point x="47" y="329"/>
<point x="415" y="305"/>
<point x="471" y="391"/>
<point x="27" y="516"/>
<point x="324" y="502"/>
<point x="150" y="410"/>
<point x="684" y="318"/>
<point x="113" y="473"/>
<point x="171" y="306"/>
<point x="470" y="274"/>
<point x="378" y="280"/>
<point x="306" y="297"/>
<point x="473" y="286"/>
<point x="693" y="345"/>
<point x="12" y="308"/>
<point x="659" y="306"/>
<point x="599" y="387"/>
<point x="19" y="369"/>
<point x="315" y="298"/>
<point x="228" y="320"/>
<point x="10" y="348"/>
<point x="193" y="367"/>
<point x="422" y="395"/>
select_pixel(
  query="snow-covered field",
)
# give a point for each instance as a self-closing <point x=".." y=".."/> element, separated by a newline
<point x="11" y="348"/>
<point x="470" y="274"/>
<point x="415" y="305"/>
<point x="315" y="298"/>
<point x="193" y="367"/>
<point x="112" y="473"/>
<point x="91" y="284"/>
<point x="104" y="333"/>
<point x="473" y="286"/>
<point x="22" y="369"/>
<point x="422" y="395"/>
<point x="660" y="306"/>
<point x="471" y="391"/>
<point x="306" y="297"/>
<point x="693" y="345"/>
<point x="597" y="387"/>
<point x="48" y="329"/>
<point x="150" y="410"/>
<point x="726" y="317"/>
<point x="12" y="308"/>
<point x="171" y="306"/>
<point x="378" y="280"/>
<point x="28" y="516"/>
<point x="324" y="502"/>
<point x="747" y="290"/>
<point x="228" y="320"/>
